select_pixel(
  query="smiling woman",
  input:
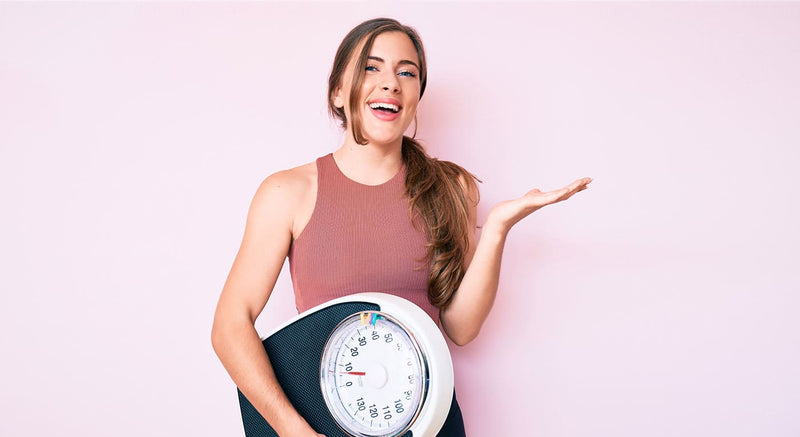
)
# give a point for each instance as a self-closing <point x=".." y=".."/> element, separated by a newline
<point x="377" y="214"/>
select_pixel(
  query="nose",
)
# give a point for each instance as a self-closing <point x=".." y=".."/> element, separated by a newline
<point x="390" y="83"/>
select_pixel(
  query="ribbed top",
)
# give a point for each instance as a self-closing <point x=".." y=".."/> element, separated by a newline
<point x="360" y="238"/>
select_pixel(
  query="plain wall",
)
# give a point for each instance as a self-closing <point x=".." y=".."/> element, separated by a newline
<point x="662" y="301"/>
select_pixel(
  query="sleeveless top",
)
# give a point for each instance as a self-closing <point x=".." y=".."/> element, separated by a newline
<point x="360" y="238"/>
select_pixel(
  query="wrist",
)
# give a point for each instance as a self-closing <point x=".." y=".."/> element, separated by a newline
<point x="494" y="229"/>
<point x="293" y="426"/>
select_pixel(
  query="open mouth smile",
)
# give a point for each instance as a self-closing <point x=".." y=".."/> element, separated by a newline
<point x="385" y="109"/>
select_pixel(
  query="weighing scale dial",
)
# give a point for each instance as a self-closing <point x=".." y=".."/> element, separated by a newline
<point x="373" y="375"/>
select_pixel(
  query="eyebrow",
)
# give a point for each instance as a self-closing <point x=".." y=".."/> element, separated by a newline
<point x="402" y="62"/>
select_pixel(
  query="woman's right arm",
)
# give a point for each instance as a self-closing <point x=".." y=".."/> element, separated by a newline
<point x="266" y="242"/>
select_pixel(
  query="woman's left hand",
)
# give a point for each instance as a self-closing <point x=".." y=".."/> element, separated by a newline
<point x="506" y="214"/>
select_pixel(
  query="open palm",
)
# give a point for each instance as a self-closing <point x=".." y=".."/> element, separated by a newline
<point x="507" y="213"/>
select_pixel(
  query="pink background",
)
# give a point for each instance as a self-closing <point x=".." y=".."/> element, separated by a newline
<point x="663" y="301"/>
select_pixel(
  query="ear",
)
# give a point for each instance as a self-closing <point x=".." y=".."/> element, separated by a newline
<point x="338" y="98"/>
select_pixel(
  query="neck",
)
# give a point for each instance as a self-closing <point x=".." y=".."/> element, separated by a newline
<point x="371" y="163"/>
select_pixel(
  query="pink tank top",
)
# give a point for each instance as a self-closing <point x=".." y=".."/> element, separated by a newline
<point x="360" y="238"/>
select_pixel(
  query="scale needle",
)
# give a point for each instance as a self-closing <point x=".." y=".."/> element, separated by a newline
<point x="354" y="373"/>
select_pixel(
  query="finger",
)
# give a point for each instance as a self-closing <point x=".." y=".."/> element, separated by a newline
<point x="571" y="193"/>
<point x="567" y="192"/>
<point x="577" y="186"/>
<point x="574" y="192"/>
<point x="582" y="182"/>
<point x="553" y="196"/>
<point x="537" y="198"/>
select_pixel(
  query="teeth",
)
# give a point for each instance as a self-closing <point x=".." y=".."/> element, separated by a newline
<point x="389" y="106"/>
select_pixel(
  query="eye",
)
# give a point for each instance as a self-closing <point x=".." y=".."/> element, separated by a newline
<point x="371" y="68"/>
<point x="407" y="74"/>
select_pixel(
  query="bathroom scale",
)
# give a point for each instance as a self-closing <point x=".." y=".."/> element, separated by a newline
<point x="364" y="365"/>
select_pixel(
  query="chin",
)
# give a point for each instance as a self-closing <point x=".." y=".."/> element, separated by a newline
<point x="383" y="137"/>
<point x="387" y="141"/>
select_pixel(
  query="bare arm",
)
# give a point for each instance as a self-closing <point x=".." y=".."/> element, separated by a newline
<point x="463" y="318"/>
<point x="267" y="237"/>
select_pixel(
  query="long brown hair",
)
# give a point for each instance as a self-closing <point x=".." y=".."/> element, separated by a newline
<point x="437" y="190"/>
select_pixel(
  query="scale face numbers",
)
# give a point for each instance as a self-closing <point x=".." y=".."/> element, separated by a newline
<point x="373" y="375"/>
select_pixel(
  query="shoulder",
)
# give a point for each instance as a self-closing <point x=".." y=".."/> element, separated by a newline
<point x="289" y="182"/>
<point x="283" y="192"/>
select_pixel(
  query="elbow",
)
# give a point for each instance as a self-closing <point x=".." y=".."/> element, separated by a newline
<point x="463" y="338"/>
<point x="459" y="342"/>
<point x="219" y="334"/>
<point x="227" y="328"/>
<point x="463" y="341"/>
<point x="457" y="330"/>
<point x="226" y="325"/>
<point x="217" y="337"/>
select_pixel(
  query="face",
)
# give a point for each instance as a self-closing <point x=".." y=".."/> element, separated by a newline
<point x="390" y="91"/>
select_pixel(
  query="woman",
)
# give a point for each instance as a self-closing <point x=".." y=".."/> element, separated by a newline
<point x="377" y="214"/>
